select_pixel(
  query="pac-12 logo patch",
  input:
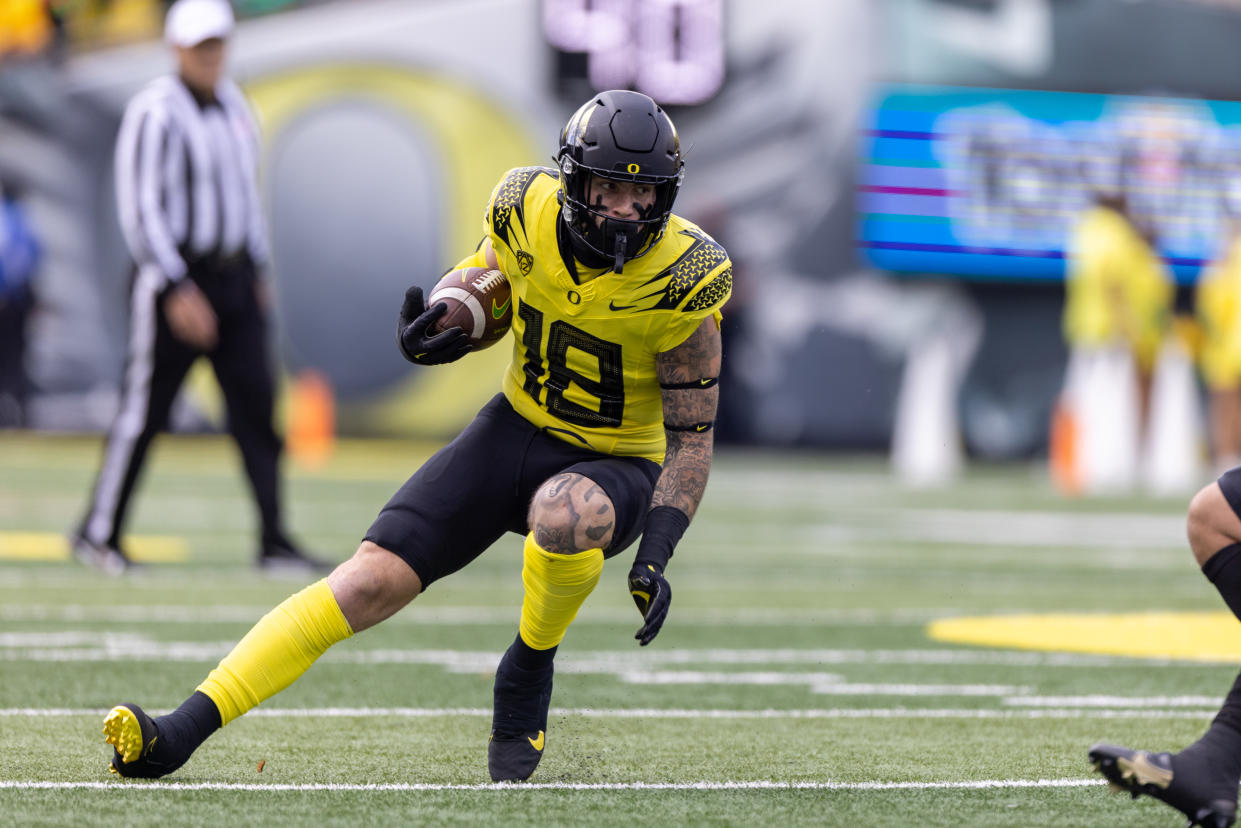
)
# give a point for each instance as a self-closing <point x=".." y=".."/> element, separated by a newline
<point x="524" y="261"/>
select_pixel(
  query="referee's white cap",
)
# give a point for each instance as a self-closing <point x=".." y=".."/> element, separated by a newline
<point x="190" y="22"/>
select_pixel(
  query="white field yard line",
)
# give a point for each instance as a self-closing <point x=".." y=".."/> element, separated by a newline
<point x="977" y="527"/>
<point x="463" y="615"/>
<point x="756" y="785"/>
<point x="89" y="646"/>
<point x="1114" y="701"/>
<point x="826" y="683"/>
<point x="969" y="526"/>
<point x="1144" y="539"/>
<point x="658" y="713"/>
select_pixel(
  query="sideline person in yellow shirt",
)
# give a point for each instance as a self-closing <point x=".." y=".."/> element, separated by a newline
<point x="1118" y="290"/>
<point x="1217" y="303"/>
<point x="25" y="27"/>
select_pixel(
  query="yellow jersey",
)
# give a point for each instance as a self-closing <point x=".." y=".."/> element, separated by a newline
<point x="584" y="352"/>
<point x="1218" y="306"/>
<point x="1118" y="289"/>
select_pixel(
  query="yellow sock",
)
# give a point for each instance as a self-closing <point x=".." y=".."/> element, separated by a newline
<point x="277" y="650"/>
<point x="556" y="585"/>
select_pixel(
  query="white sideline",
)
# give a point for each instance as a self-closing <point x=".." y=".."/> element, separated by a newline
<point x="761" y="785"/>
<point x="660" y="713"/>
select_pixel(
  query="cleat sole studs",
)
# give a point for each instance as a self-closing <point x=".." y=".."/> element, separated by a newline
<point x="122" y="731"/>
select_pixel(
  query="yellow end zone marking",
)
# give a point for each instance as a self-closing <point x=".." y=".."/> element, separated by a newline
<point x="49" y="546"/>
<point x="1187" y="636"/>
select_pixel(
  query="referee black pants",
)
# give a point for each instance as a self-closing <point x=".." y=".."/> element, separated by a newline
<point x="155" y="367"/>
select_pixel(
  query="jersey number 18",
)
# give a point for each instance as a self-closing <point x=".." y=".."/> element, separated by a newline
<point x="609" y="388"/>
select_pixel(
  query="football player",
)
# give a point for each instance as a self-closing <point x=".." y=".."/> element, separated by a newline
<point x="602" y="433"/>
<point x="1201" y="780"/>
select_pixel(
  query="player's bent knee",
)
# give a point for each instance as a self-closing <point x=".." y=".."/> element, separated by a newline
<point x="572" y="517"/>
<point x="372" y="585"/>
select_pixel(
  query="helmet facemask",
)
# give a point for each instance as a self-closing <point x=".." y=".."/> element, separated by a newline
<point x="607" y="237"/>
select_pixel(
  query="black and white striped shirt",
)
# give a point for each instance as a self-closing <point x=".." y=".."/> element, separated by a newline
<point x="186" y="178"/>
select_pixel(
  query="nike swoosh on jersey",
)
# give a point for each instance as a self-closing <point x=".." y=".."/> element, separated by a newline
<point x="537" y="744"/>
<point x="613" y="306"/>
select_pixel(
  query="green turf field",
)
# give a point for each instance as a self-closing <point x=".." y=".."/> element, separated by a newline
<point x="795" y="682"/>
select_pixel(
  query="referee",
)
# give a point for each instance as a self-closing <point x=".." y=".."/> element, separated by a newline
<point x="186" y="192"/>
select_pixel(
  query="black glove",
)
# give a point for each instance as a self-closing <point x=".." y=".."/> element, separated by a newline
<point x="653" y="595"/>
<point x="411" y="333"/>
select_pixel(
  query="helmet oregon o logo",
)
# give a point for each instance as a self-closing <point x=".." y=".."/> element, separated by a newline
<point x="634" y="168"/>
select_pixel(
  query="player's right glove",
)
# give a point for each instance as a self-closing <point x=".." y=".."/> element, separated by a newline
<point x="412" y="327"/>
<point x="653" y="595"/>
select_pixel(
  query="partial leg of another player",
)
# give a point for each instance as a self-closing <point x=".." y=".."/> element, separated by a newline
<point x="359" y="593"/>
<point x="1200" y="781"/>
<point x="571" y="522"/>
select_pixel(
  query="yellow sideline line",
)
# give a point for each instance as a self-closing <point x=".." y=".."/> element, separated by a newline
<point x="50" y="546"/>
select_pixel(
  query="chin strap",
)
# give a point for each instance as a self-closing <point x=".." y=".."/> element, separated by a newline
<point x="622" y="243"/>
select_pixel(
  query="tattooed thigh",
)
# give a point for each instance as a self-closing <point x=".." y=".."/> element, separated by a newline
<point x="571" y="513"/>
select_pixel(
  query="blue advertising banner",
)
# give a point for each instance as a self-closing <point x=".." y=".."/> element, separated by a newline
<point x="987" y="183"/>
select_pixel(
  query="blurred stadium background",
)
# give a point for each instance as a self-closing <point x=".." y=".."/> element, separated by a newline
<point x="873" y="207"/>
<point x="895" y="180"/>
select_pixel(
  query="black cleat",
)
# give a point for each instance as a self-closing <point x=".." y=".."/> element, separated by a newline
<point x="136" y="749"/>
<point x="512" y="757"/>
<point x="1152" y="774"/>
<point x="105" y="557"/>
<point x="281" y="556"/>
<point x="519" y="720"/>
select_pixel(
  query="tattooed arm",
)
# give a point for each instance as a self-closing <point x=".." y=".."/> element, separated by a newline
<point x="687" y="377"/>
<point x="688" y="458"/>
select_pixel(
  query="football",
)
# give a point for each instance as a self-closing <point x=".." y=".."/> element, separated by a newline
<point x="479" y="302"/>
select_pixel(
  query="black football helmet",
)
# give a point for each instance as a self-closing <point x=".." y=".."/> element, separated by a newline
<point x="623" y="136"/>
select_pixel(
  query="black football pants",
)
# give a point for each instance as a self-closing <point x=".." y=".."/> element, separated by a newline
<point x="155" y="367"/>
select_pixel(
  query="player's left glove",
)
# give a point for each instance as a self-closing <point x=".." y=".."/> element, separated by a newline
<point x="411" y="333"/>
<point x="653" y="595"/>
<point x="647" y="584"/>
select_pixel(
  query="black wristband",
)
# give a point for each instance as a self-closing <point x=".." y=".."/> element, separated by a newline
<point x="705" y="382"/>
<point x="697" y="428"/>
<point x="664" y="527"/>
